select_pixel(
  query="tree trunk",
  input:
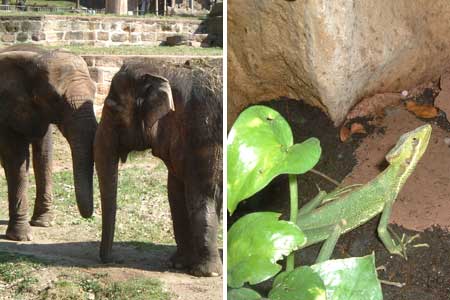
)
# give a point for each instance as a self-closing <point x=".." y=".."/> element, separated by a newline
<point x="117" y="7"/>
<point x="5" y="2"/>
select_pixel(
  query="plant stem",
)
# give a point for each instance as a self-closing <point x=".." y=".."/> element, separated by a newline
<point x="325" y="176"/>
<point x="293" y="189"/>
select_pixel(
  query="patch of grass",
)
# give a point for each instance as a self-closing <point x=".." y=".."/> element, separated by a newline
<point x="68" y="4"/>
<point x="34" y="14"/>
<point x="87" y="286"/>
<point x="48" y="3"/>
<point x="51" y="3"/>
<point x="137" y="289"/>
<point x="142" y="202"/>
<point x="91" y="285"/>
<point x="17" y="271"/>
<point x="141" y="50"/>
<point x="63" y="290"/>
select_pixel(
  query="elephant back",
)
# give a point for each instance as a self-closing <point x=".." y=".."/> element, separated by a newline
<point x="206" y="102"/>
<point x="24" y="47"/>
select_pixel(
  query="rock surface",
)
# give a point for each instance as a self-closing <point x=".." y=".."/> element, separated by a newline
<point x="443" y="99"/>
<point x="332" y="53"/>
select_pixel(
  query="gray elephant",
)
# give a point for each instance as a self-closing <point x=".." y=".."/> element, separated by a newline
<point x="39" y="88"/>
<point x="177" y="113"/>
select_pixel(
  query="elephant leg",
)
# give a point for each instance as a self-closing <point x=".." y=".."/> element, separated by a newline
<point x="15" y="163"/>
<point x="42" y="165"/>
<point x="185" y="253"/>
<point x="201" y="198"/>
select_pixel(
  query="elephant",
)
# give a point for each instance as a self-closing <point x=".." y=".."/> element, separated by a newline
<point x="39" y="88"/>
<point x="176" y="111"/>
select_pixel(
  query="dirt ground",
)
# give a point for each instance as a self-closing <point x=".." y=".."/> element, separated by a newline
<point x="422" y="207"/>
<point x="71" y="246"/>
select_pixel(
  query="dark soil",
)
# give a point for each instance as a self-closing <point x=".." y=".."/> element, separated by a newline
<point x="426" y="273"/>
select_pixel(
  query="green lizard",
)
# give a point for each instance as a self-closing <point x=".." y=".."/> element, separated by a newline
<point x="326" y="217"/>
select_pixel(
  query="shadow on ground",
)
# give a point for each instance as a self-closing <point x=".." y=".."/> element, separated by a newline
<point x="134" y="255"/>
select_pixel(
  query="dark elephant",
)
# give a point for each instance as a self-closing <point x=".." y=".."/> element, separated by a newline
<point x="39" y="88"/>
<point x="177" y="113"/>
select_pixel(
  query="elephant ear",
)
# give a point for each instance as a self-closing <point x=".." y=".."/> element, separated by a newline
<point x="68" y="75"/>
<point x="21" y="60"/>
<point x="154" y="99"/>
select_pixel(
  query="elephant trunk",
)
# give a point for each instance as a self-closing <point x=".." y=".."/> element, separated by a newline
<point x="106" y="164"/>
<point x="81" y="134"/>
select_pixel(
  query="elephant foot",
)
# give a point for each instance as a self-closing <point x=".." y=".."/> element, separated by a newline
<point x="180" y="260"/>
<point x="210" y="268"/>
<point x="105" y="256"/>
<point x="42" y="220"/>
<point x="19" y="232"/>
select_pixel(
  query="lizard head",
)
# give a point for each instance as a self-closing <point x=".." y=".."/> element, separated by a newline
<point x="410" y="146"/>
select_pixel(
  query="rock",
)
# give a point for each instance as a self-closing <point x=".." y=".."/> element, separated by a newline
<point x="374" y="106"/>
<point x="119" y="37"/>
<point x="176" y="40"/>
<point x="332" y="53"/>
<point x="38" y="36"/>
<point x="195" y="44"/>
<point x="149" y="37"/>
<point x="135" y="38"/>
<point x="442" y="101"/>
<point x="74" y="35"/>
<point x="8" y="38"/>
<point x="22" y="37"/>
<point x="103" y="35"/>
<point x="12" y="26"/>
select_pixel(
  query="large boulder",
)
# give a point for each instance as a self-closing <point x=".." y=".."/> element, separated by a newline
<point x="332" y="53"/>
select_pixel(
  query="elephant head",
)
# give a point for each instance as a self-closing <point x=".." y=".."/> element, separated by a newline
<point x="58" y="86"/>
<point x="137" y="101"/>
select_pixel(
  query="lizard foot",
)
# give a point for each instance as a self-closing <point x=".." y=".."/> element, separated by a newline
<point x="404" y="241"/>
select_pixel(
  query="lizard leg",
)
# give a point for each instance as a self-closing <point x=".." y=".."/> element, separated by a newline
<point x="385" y="235"/>
<point x="312" y="204"/>
<point x="328" y="246"/>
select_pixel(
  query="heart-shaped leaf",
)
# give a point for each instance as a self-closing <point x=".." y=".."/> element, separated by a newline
<point x="299" y="284"/>
<point x="260" y="147"/>
<point x="242" y="294"/>
<point x="350" y="279"/>
<point x="255" y="243"/>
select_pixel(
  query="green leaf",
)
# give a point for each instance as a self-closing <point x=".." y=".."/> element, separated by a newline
<point x="242" y="294"/>
<point x="255" y="243"/>
<point x="299" y="284"/>
<point x="350" y="279"/>
<point x="260" y="147"/>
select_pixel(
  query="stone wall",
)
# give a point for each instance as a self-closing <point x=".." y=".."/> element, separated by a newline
<point x="99" y="31"/>
<point x="102" y="68"/>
